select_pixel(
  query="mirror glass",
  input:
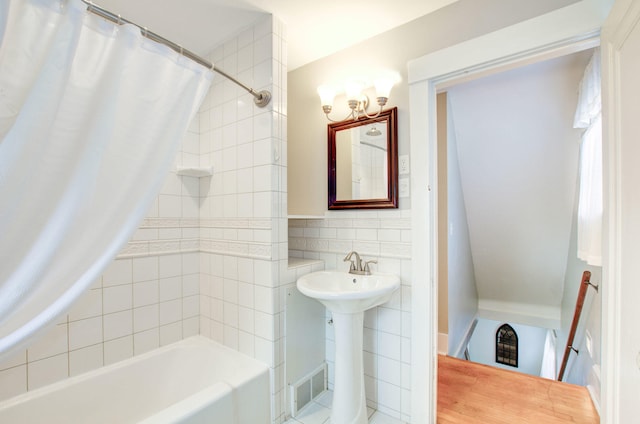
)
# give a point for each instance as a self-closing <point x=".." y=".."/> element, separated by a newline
<point x="363" y="162"/>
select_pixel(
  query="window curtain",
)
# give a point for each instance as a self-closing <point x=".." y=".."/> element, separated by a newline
<point x="91" y="118"/>
<point x="589" y="116"/>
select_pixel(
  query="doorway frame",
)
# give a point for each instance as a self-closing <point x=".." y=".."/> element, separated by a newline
<point x="564" y="31"/>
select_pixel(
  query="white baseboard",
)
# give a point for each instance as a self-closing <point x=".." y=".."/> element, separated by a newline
<point x="593" y="386"/>
<point x="443" y="343"/>
<point x="459" y="352"/>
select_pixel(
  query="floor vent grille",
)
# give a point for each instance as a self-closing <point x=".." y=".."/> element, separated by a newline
<point x="308" y="388"/>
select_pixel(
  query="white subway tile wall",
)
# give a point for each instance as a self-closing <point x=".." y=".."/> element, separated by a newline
<point x="122" y="314"/>
<point x="241" y="212"/>
<point x="384" y="236"/>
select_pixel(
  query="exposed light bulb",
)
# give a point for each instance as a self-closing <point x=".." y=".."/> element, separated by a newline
<point x="327" y="93"/>
<point x="353" y="90"/>
<point x="383" y="87"/>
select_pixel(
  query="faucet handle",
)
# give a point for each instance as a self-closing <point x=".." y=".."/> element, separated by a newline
<point x="347" y="258"/>
<point x="366" y="269"/>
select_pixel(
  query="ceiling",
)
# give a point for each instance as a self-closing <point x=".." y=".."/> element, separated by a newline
<point x="518" y="161"/>
<point x="314" y="28"/>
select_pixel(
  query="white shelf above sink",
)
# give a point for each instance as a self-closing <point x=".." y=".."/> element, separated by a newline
<point x="195" y="171"/>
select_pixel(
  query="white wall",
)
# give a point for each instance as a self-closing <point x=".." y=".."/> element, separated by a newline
<point x="305" y="332"/>
<point x="518" y="154"/>
<point x="482" y="347"/>
<point x="462" y="292"/>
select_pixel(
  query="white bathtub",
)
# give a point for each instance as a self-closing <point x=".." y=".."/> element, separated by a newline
<point x="192" y="381"/>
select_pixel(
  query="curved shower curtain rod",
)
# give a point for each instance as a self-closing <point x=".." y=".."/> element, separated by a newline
<point x="260" y="98"/>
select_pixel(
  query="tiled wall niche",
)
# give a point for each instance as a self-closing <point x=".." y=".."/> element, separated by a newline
<point x="208" y="257"/>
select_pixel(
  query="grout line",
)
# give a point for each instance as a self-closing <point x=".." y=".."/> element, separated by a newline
<point x="69" y="342"/>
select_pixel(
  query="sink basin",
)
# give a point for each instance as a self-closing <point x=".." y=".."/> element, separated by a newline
<point x="342" y="292"/>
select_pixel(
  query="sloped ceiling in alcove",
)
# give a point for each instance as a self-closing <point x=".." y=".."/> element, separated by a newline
<point x="518" y="157"/>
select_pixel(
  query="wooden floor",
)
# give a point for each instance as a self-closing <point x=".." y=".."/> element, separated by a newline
<point x="470" y="393"/>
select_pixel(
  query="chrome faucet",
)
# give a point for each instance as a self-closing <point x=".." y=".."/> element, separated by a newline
<point x="356" y="266"/>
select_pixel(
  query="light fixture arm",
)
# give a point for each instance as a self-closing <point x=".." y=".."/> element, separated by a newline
<point x="381" y="102"/>
<point x="358" y="108"/>
<point x="327" y="110"/>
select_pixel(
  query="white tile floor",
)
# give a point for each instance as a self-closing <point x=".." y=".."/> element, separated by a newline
<point x="318" y="411"/>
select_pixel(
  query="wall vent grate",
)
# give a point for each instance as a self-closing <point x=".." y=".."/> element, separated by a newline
<point x="308" y="388"/>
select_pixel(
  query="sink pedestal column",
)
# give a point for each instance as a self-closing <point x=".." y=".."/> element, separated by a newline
<point x="349" y="402"/>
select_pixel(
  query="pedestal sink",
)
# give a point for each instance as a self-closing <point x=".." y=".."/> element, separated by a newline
<point x="347" y="296"/>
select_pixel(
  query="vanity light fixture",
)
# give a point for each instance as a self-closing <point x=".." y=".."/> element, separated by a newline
<point x="356" y="99"/>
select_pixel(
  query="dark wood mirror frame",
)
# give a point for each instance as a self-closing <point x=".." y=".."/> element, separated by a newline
<point x="390" y="117"/>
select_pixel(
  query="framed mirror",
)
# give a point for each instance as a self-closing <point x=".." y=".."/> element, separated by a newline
<point x="363" y="162"/>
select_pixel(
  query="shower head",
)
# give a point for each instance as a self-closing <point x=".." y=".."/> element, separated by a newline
<point x="374" y="132"/>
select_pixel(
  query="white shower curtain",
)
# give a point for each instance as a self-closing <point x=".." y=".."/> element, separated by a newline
<point x="91" y="118"/>
<point x="589" y="116"/>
